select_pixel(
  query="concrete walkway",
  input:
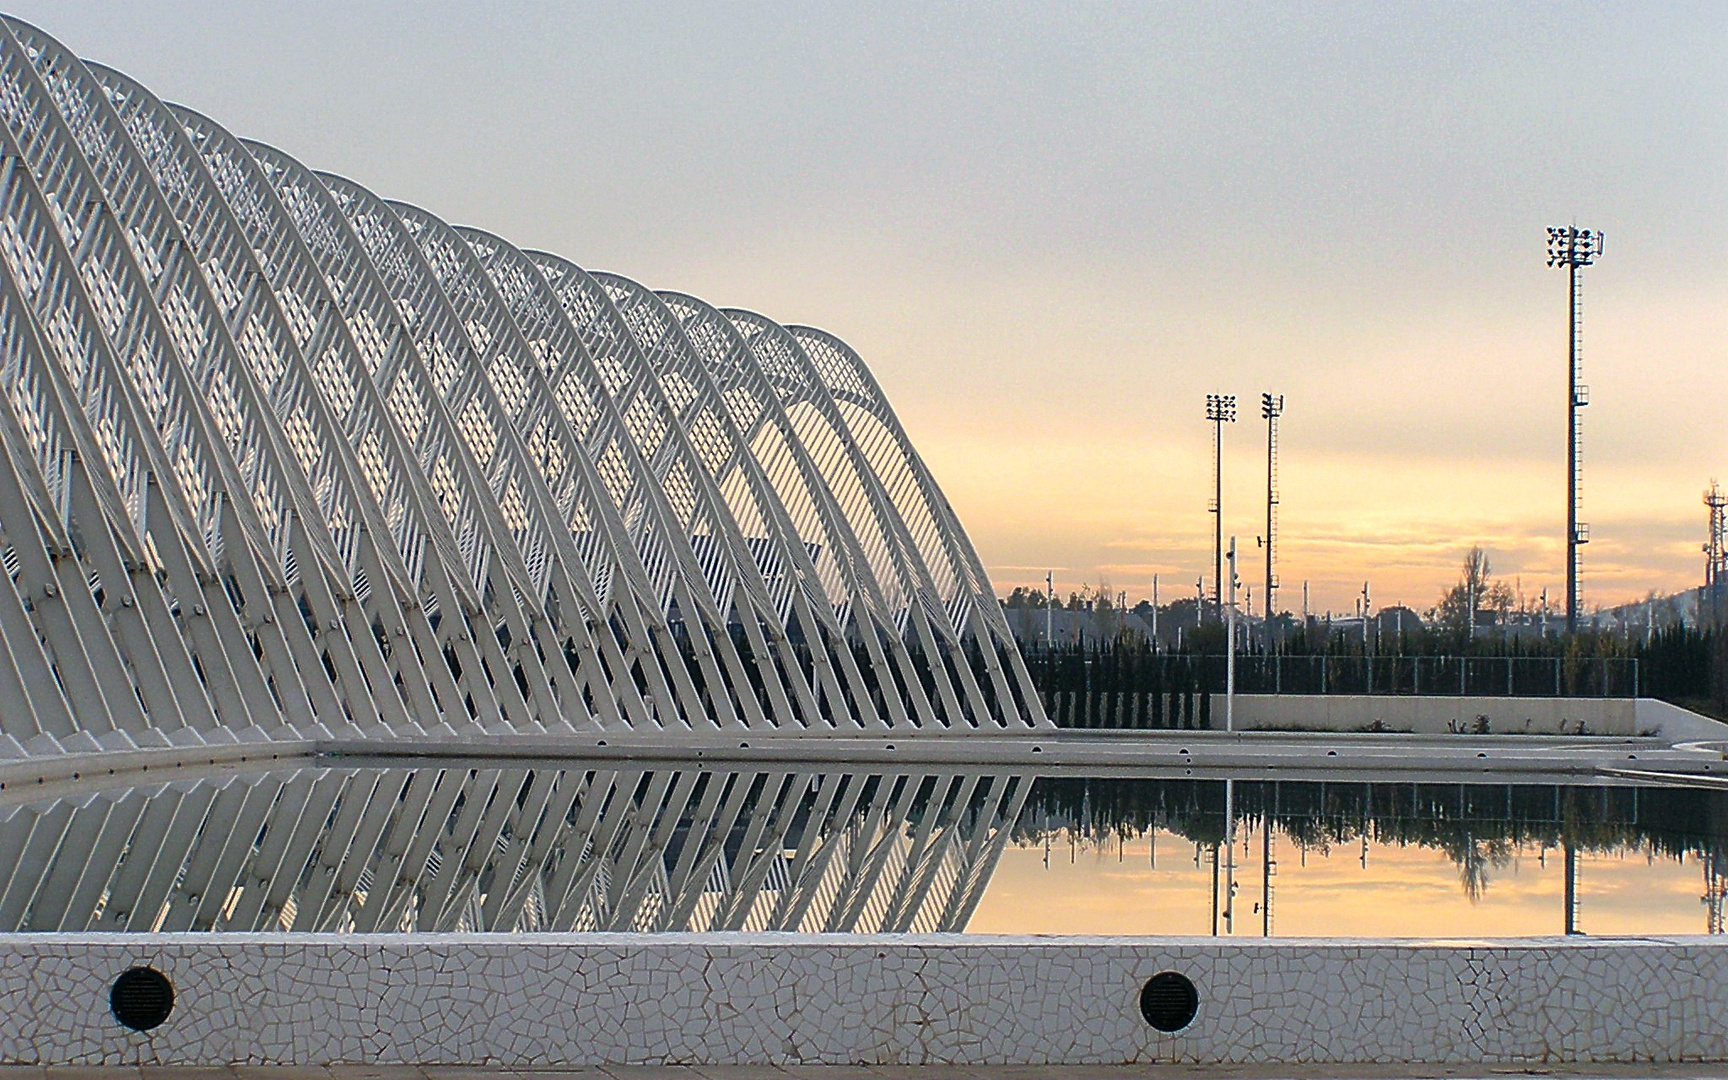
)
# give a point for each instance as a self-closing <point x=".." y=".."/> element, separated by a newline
<point x="1700" y="1071"/>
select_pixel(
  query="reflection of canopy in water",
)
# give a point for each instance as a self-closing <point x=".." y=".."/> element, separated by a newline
<point x="511" y="849"/>
<point x="276" y="451"/>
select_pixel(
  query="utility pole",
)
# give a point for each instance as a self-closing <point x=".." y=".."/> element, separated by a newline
<point x="1154" y="612"/>
<point x="1271" y="407"/>
<point x="1220" y="410"/>
<point x="1574" y="248"/>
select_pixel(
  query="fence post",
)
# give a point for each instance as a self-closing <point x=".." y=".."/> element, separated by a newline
<point x="1462" y="660"/>
<point x="1323" y="666"/>
<point x="1604" y="676"/>
<point x="1508" y="674"/>
<point x="1556" y="676"/>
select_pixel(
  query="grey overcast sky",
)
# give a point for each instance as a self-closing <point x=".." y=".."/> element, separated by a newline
<point x="1052" y="228"/>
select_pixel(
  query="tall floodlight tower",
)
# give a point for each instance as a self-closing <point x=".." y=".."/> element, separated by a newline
<point x="1574" y="248"/>
<point x="1220" y="410"/>
<point x="1716" y="549"/>
<point x="1271" y="407"/>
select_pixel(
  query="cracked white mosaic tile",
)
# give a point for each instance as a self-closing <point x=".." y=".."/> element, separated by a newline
<point x="775" y="998"/>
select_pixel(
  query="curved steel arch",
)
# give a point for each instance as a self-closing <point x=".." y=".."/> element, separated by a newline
<point x="823" y="601"/>
<point x="930" y="613"/>
<point x="766" y="436"/>
<point x="913" y="488"/>
<point x="732" y="554"/>
<point x="280" y="459"/>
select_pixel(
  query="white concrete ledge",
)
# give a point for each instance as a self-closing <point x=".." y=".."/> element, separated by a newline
<point x="735" y="999"/>
<point x="1657" y="739"/>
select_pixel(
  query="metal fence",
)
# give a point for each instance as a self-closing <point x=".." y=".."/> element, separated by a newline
<point x="1481" y="676"/>
<point x="1106" y="672"/>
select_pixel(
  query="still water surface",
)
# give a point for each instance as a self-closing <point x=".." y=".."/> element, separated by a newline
<point x="1395" y="860"/>
<point x="489" y="846"/>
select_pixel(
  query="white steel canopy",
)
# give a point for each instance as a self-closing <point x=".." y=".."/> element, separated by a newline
<point x="281" y="457"/>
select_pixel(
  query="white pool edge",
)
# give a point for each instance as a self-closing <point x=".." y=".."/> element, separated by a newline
<point x="738" y="999"/>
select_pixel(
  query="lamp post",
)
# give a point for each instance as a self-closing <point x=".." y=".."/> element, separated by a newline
<point x="1049" y="608"/>
<point x="1367" y="603"/>
<point x="1573" y="248"/>
<point x="1154" y="612"/>
<point x="1220" y="410"/>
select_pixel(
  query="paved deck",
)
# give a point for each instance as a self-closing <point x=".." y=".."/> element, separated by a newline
<point x="1683" y="1071"/>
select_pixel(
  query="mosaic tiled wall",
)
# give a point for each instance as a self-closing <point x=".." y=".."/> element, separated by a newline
<point x="778" y="998"/>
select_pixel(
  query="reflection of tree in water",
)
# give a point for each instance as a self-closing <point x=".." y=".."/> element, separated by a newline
<point x="1480" y="827"/>
<point x="1475" y="857"/>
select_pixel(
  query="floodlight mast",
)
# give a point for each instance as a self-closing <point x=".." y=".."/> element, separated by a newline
<point x="1220" y="410"/>
<point x="1271" y="407"/>
<point x="1573" y="248"/>
<point x="1716" y="551"/>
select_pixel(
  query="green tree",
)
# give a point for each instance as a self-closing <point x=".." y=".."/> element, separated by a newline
<point x="1476" y="591"/>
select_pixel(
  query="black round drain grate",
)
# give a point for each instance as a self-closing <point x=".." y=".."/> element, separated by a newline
<point x="1169" y="1001"/>
<point x="142" y="998"/>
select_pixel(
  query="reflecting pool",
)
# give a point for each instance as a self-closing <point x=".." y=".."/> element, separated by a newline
<point x="505" y="846"/>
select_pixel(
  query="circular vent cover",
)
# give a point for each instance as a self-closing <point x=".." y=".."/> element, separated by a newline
<point x="142" y="998"/>
<point x="1169" y="1001"/>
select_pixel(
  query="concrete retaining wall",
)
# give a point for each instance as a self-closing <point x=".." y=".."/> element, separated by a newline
<point x="754" y="999"/>
<point x="1678" y="725"/>
<point x="1440" y="715"/>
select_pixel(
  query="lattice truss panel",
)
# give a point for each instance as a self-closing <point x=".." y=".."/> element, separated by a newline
<point x="281" y="456"/>
<point x="482" y="849"/>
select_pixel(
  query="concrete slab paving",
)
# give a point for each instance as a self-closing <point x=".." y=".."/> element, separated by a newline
<point x="1483" y="1071"/>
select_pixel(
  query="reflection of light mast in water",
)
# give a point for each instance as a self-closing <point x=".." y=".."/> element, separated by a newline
<point x="1214" y="888"/>
<point x="1715" y="888"/>
<point x="1230" y="856"/>
<point x="1267" y="865"/>
<point x="1571" y="888"/>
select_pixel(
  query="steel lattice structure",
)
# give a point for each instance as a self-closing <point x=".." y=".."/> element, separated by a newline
<point x="280" y="455"/>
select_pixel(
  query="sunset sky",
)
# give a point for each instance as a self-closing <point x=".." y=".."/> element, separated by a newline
<point x="1051" y="229"/>
<point x="1387" y="890"/>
